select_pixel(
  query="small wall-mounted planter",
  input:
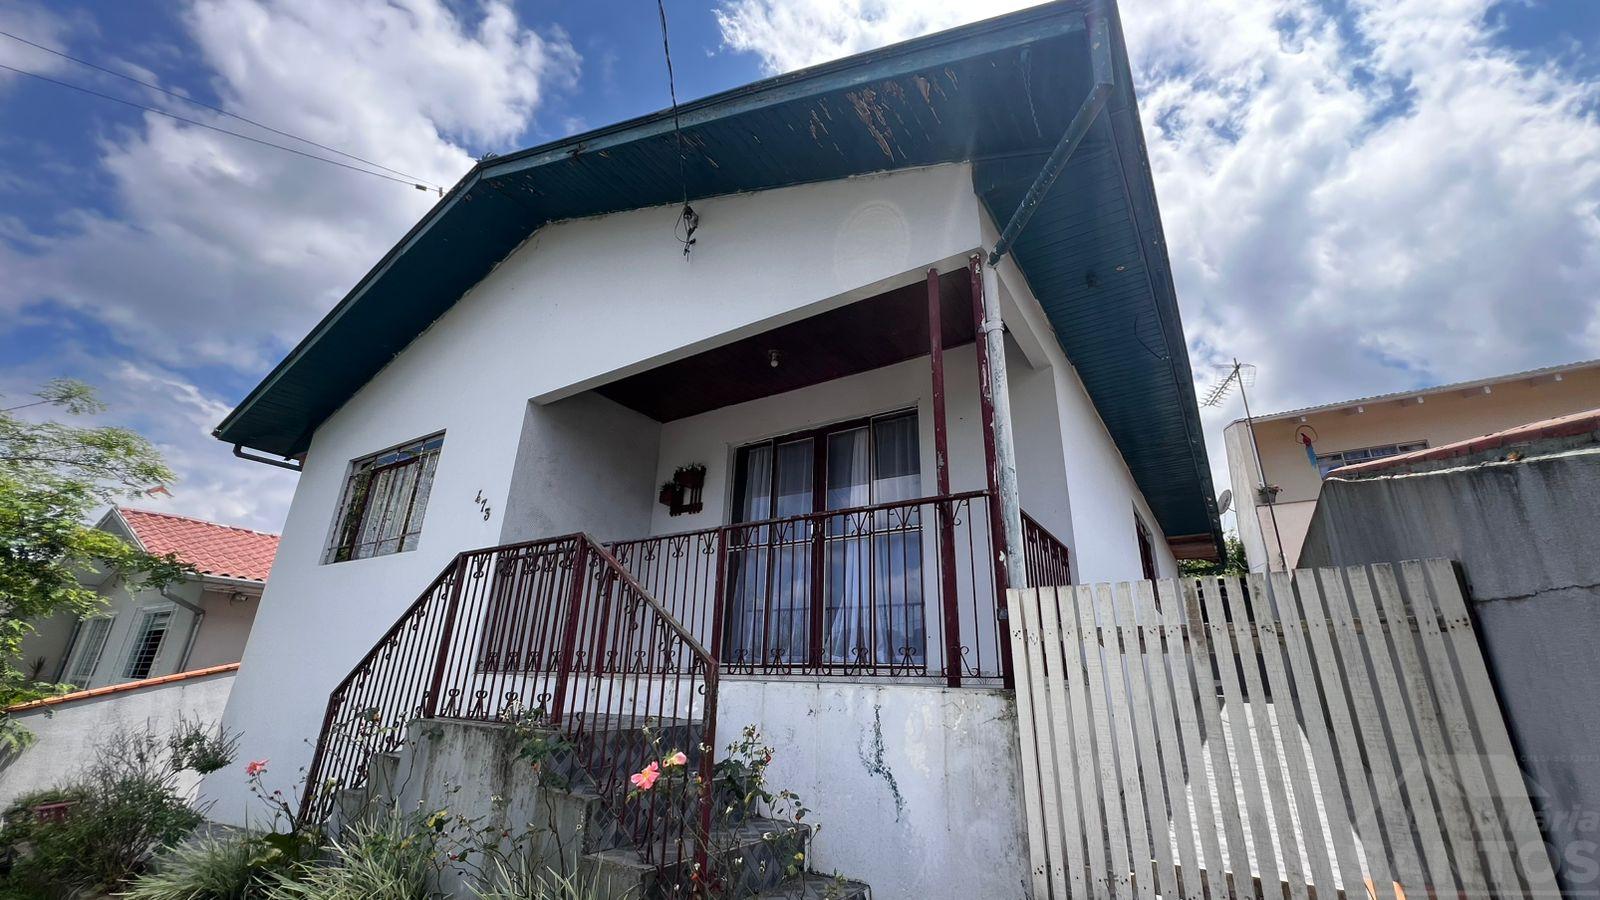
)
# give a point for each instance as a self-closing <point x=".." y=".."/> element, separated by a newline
<point x="682" y="494"/>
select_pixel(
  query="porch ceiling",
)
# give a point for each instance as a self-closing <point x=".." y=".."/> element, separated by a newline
<point x="878" y="331"/>
<point x="998" y="93"/>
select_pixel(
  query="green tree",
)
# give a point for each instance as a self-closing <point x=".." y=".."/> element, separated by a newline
<point x="53" y="475"/>
<point x="1233" y="564"/>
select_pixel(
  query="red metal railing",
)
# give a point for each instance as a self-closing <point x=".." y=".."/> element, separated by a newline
<point x="558" y="627"/>
<point x="605" y="642"/>
<point x="1046" y="557"/>
<point x="902" y="589"/>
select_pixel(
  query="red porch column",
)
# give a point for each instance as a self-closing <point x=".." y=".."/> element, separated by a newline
<point x="941" y="463"/>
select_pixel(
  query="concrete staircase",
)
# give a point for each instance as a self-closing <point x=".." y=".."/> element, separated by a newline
<point x="558" y="818"/>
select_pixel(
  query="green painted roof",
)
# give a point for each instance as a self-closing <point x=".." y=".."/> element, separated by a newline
<point x="998" y="93"/>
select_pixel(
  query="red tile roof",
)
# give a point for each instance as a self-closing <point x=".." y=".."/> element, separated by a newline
<point x="213" y="549"/>
<point x="1573" y="425"/>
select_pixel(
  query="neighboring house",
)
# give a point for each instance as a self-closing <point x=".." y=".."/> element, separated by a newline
<point x="542" y="356"/>
<point x="1300" y="447"/>
<point x="141" y="633"/>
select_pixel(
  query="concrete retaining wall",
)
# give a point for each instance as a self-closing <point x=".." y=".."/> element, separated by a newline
<point x="67" y="734"/>
<point x="916" y="788"/>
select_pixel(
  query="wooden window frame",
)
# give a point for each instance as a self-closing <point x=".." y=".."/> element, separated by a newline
<point x="355" y="500"/>
<point x="819" y="460"/>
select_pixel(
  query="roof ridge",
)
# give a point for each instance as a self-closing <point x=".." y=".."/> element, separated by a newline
<point x="196" y="519"/>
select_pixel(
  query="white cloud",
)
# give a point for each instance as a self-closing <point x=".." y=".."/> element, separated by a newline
<point x="41" y="26"/>
<point x="220" y="252"/>
<point x="1354" y="209"/>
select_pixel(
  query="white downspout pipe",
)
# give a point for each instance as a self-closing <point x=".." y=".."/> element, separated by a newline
<point x="194" y="626"/>
<point x="1005" y="447"/>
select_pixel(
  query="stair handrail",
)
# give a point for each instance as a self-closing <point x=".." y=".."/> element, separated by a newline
<point x="627" y="578"/>
<point x="449" y="631"/>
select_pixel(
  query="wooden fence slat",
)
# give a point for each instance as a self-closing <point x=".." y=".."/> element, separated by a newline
<point x="1164" y="652"/>
<point x="1458" y="727"/>
<point x="1037" y="759"/>
<point x="1516" y="810"/>
<point x="1272" y="644"/>
<point x="1095" y="827"/>
<point x="1099" y="690"/>
<point x="1200" y="640"/>
<point x="1127" y="750"/>
<point x="1353" y="773"/>
<point x="1380" y="639"/>
<point x="1136" y="656"/>
<point x="1117" y="684"/>
<point x="1189" y="727"/>
<point x="1282" y="823"/>
<point x="1243" y="754"/>
<point x="1369" y="726"/>
<point x="1056" y="663"/>
<point x="1323" y="759"/>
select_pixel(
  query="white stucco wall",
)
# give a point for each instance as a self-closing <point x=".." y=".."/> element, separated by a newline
<point x="917" y="789"/>
<point x="225" y="629"/>
<point x="68" y="734"/>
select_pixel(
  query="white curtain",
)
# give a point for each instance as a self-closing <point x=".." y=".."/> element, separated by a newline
<point x="748" y="566"/>
<point x="849" y="484"/>
<point x="897" y="543"/>
<point x="788" y="632"/>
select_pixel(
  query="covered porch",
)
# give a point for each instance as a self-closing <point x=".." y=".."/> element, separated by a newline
<point x="814" y="499"/>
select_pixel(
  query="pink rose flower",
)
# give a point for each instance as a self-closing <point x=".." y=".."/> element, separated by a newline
<point x="678" y="759"/>
<point x="256" y="768"/>
<point x="646" y="779"/>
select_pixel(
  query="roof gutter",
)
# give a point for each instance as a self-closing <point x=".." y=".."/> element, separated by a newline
<point x="1088" y="111"/>
<point x="238" y="450"/>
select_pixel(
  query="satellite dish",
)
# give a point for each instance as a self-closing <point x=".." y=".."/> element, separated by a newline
<point x="1224" y="502"/>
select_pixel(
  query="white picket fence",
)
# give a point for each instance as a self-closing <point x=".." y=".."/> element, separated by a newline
<point x="1330" y="733"/>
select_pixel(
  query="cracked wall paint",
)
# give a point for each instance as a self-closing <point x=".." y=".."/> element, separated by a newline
<point x="872" y="759"/>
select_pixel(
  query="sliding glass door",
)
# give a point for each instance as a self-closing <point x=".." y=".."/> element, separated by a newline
<point x="841" y="589"/>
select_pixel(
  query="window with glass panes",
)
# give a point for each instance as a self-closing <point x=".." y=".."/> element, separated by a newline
<point x="384" y="499"/>
<point x="91" y="644"/>
<point x="147" y="641"/>
<point x="863" y="570"/>
<point x="1327" y="462"/>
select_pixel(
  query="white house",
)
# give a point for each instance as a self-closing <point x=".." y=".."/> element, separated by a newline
<point x="544" y="356"/>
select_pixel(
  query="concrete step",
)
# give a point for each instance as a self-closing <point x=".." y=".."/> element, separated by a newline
<point x="752" y="856"/>
<point x="812" y="886"/>
<point x="383" y="771"/>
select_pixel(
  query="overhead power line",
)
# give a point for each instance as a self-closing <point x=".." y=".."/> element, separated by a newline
<point x="216" y="109"/>
<point x="265" y="143"/>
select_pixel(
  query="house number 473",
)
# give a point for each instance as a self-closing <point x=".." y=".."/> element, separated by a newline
<point x="483" y="505"/>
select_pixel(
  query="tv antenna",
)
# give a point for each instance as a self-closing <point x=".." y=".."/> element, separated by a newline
<point x="1243" y="376"/>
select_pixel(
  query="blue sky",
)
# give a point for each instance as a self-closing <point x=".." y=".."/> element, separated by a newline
<point x="1359" y="196"/>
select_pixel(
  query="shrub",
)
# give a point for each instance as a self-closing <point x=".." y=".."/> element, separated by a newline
<point x="393" y="859"/>
<point x="202" y="869"/>
<point x="538" y="882"/>
<point x="128" y="808"/>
